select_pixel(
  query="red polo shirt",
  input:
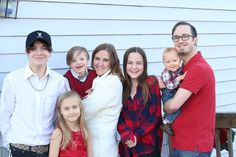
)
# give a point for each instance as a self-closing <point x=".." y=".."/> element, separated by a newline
<point x="194" y="128"/>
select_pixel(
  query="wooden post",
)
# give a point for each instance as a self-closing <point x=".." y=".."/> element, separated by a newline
<point x="217" y="142"/>
<point x="230" y="145"/>
<point x="225" y="120"/>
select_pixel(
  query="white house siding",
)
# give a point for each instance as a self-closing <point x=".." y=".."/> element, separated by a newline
<point x="126" y="23"/>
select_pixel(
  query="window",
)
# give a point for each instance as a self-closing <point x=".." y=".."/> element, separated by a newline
<point x="8" y="8"/>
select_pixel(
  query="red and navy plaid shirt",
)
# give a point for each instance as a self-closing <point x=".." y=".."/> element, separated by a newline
<point x="141" y="120"/>
<point x="169" y="78"/>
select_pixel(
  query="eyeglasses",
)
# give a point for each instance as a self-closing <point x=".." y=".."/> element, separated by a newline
<point x="184" y="37"/>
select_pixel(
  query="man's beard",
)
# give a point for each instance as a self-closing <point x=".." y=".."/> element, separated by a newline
<point x="181" y="52"/>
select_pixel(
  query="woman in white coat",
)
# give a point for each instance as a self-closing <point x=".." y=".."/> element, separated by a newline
<point x="103" y="105"/>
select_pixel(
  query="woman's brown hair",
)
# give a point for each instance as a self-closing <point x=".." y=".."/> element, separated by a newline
<point x="142" y="80"/>
<point x="113" y="58"/>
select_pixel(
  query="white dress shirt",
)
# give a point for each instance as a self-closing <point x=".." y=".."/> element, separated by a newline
<point x="102" y="109"/>
<point x="27" y="115"/>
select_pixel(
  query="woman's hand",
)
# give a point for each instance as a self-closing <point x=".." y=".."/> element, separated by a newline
<point x="131" y="143"/>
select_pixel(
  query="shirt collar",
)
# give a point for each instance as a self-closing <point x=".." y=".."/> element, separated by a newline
<point x="28" y="72"/>
<point x="193" y="60"/>
<point x="105" y="74"/>
<point x="76" y="75"/>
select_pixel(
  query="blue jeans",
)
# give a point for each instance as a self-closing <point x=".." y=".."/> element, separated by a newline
<point x="184" y="153"/>
<point x="165" y="96"/>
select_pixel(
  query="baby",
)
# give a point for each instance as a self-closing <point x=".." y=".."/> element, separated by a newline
<point x="171" y="76"/>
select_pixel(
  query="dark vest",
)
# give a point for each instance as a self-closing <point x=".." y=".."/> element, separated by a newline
<point x="77" y="85"/>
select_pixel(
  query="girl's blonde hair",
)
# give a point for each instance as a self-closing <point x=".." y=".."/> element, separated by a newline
<point x="61" y="123"/>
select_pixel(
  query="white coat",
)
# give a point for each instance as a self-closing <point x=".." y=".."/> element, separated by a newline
<point x="102" y="109"/>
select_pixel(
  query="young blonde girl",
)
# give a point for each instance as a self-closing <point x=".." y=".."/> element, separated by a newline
<point x="71" y="137"/>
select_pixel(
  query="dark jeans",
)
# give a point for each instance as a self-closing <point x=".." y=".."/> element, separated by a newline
<point x="183" y="153"/>
<point x="155" y="153"/>
<point x="16" y="152"/>
<point x="165" y="96"/>
<point x="151" y="155"/>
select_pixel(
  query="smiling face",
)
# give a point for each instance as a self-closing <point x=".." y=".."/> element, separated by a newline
<point x="38" y="55"/>
<point x="79" y="62"/>
<point x="70" y="110"/>
<point x="135" y="65"/>
<point x="101" y="62"/>
<point x="171" y="60"/>
<point x="184" y="47"/>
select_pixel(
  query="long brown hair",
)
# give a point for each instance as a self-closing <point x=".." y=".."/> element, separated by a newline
<point x="142" y="79"/>
<point x="62" y="125"/>
<point x="113" y="58"/>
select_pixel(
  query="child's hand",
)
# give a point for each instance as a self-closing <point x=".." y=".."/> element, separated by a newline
<point x="181" y="77"/>
<point x="161" y="83"/>
<point x="89" y="91"/>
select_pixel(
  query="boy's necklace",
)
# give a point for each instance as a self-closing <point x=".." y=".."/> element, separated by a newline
<point x="39" y="90"/>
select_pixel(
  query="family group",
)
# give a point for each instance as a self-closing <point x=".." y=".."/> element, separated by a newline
<point x="107" y="111"/>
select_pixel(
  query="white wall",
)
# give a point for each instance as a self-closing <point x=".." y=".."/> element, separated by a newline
<point x="127" y="23"/>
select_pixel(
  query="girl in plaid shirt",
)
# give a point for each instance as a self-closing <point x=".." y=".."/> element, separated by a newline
<point x="140" y="118"/>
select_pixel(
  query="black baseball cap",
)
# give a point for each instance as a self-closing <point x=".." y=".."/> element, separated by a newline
<point x="38" y="36"/>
